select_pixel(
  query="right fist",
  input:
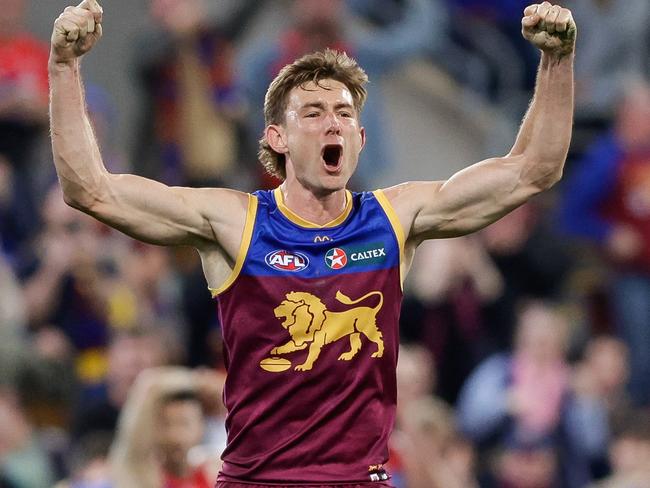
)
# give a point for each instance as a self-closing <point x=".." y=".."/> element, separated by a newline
<point x="76" y="31"/>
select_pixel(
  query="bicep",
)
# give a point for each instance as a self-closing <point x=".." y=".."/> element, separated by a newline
<point x="152" y="212"/>
<point x="468" y="201"/>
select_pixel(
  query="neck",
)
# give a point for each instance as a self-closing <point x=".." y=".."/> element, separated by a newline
<point x="317" y="207"/>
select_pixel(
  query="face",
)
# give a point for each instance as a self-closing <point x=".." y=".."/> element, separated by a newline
<point x="608" y="360"/>
<point x="415" y="374"/>
<point x="181" y="428"/>
<point x="127" y="358"/>
<point x="541" y="334"/>
<point x="321" y="137"/>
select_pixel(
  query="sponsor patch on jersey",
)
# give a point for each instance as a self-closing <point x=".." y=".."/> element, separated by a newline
<point x="336" y="258"/>
<point x="366" y="254"/>
<point x="286" y="260"/>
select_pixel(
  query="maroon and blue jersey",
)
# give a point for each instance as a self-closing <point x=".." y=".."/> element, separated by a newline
<point x="310" y="326"/>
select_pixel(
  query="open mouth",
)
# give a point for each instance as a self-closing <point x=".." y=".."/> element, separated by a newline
<point x="332" y="157"/>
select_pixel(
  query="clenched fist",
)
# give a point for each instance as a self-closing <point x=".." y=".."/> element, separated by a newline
<point x="76" y="31"/>
<point x="550" y="28"/>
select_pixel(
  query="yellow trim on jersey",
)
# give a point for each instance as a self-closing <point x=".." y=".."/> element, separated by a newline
<point x="297" y="219"/>
<point x="243" y="247"/>
<point x="396" y="225"/>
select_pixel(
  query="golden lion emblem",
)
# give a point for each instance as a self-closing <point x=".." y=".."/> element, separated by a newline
<point x="309" y="323"/>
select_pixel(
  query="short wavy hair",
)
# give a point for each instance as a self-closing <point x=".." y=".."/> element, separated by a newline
<point x="314" y="67"/>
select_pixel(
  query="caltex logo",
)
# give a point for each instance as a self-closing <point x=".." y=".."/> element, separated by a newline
<point x="336" y="258"/>
<point x="287" y="261"/>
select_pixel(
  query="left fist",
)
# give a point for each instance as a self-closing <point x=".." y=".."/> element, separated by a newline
<point x="550" y="28"/>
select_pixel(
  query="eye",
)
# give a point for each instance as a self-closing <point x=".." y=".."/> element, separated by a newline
<point x="312" y="114"/>
<point x="345" y="114"/>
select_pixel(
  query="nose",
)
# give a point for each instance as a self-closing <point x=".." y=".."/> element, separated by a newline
<point x="333" y="124"/>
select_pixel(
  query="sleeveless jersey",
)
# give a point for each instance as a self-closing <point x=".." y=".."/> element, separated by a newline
<point x="309" y="319"/>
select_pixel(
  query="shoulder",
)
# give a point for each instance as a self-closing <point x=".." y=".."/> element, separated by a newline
<point x="409" y="198"/>
<point x="225" y="209"/>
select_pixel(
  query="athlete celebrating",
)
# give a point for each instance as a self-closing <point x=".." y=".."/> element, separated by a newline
<point x="308" y="276"/>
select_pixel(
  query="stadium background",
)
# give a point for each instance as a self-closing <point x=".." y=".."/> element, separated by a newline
<point x="84" y="310"/>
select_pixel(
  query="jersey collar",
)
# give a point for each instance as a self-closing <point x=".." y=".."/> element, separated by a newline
<point x="298" y="220"/>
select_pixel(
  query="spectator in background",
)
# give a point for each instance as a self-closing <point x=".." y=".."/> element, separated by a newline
<point x="316" y="25"/>
<point x="64" y="281"/>
<point x="523" y="402"/>
<point x="13" y="314"/>
<point x="599" y="381"/>
<point x="607" y="200"/>
<point x="163" y="419"/>
<point x="23" y="461"/>
<point x="88" y="463"/>
<point x="486" y="30"/>
<point x="416" y="376"/>
<point x="450" y="283"/>
<point x="630" y="452"/>
<point x="190" y="129"/>
<point x="16" y="223"/>
<point x="130" y="352"/>
<point x="431" y="452"/>
<point x="604" y="372"/>
<point x="23" y="102"/>
<point x="533" y="262"/>
<point x="606" y="61"/>
<point x="426" y="451"/>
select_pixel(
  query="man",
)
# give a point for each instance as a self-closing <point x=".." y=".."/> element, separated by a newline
<point x="164" y="418"/>
<point x="308" y="276"/>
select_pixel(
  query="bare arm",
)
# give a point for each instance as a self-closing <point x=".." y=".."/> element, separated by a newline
<point x="485" y="191"/>
<point x="142" y="208"/>
<point x="133" y="453"/>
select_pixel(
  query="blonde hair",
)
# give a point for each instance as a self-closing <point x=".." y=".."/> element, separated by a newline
<point x="314" y="67"/>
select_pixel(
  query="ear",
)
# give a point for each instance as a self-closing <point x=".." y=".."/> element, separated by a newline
<point x="362" y="133"/>
<point x="275" y="136"/>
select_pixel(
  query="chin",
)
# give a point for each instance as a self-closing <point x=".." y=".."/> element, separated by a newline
<point x="335" y="182"/>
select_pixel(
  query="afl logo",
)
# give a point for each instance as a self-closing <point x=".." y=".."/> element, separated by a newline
<point x="336" y="258"/>
<point x="287" y="261"/>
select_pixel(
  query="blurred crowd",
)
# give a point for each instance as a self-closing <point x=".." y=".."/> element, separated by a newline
<point x="526" y="347"/>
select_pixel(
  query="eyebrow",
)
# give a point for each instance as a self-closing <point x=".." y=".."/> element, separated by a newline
<point x="321" y="105"/>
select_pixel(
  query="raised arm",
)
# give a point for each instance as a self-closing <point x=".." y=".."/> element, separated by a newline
<point x="142" y="208"/>
<point x="133" y="454"/>
<point x="485" y="191"/>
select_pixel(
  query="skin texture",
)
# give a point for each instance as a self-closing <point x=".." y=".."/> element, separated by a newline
<point x="212" y="220"/>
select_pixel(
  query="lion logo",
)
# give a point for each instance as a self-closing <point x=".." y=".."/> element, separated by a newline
<point x="312" y="326"/>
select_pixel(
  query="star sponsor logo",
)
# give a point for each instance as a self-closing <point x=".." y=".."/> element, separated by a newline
<point x="286" y="260"/>
<point x="336" y="258"/>
<point x="367" y="254"/>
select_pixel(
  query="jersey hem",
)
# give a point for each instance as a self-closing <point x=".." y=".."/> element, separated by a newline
<point x="297" y="484"/>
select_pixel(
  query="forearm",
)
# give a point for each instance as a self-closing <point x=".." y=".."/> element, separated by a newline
<point x="545" y="134"/>
<point x="77" y="158"/>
